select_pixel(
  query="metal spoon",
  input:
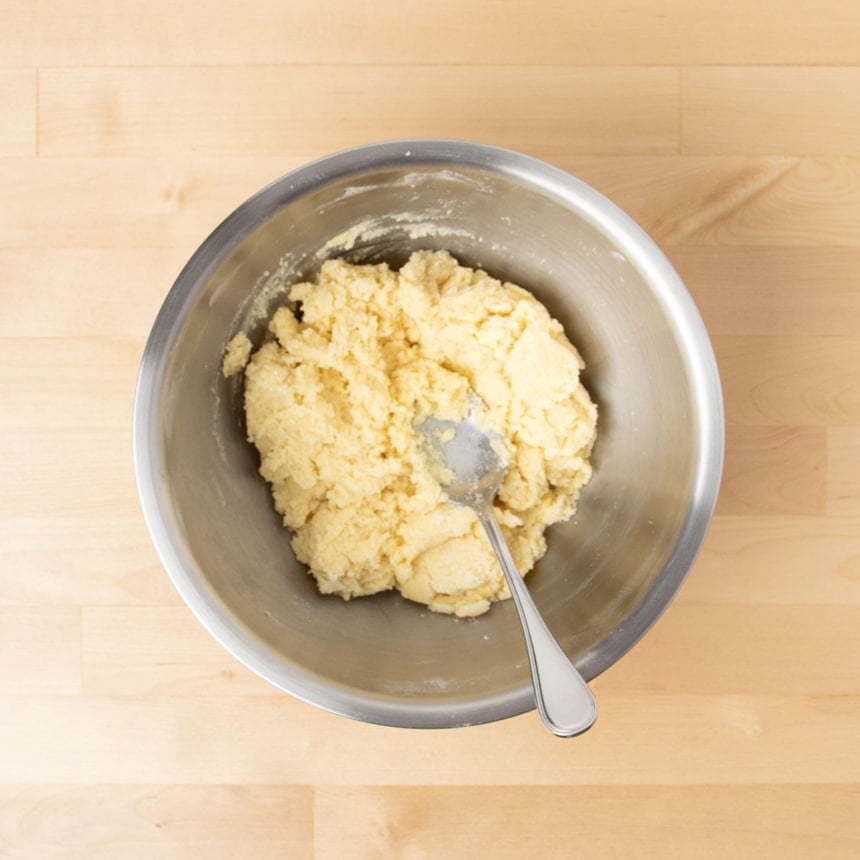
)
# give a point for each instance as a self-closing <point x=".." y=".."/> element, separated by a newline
<point x="471" y="470"/>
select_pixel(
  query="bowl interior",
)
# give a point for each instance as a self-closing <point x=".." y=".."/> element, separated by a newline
<point x="384" y="658"/>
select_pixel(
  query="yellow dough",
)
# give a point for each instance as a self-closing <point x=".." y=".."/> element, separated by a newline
<point x="331" y="404"/>
<point x="237" y="354"/>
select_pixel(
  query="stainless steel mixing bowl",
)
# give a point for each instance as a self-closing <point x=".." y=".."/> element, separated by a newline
<point x="608" y="573"/>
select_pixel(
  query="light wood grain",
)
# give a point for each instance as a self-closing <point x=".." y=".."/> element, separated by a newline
<point x="137" y="203"/>
<point x="734" y="200"/>
<point x="843" y="470"/>
<point x="68" y="383"/>
<point x="84" y="473"/>
<point x="777" y="380"/>
<point x="774" y="470"/>
<point x="42" y="295"/>
<point x="18" y="109"/>
<point x="264" y="110"/>
<point x="47" y="637"/>
<point x="167" y="653"/>
<point x="142" y="651"/>
<point x="174" y="203"/>
<point x="473" y="32"/>
<point x="743" y="649"/>
<point x="170" y="821"/>
<point x="666" y="822"/>
<point x="646" y="738"/>
<point x="773" y="291"/>
<point x="765" y="110"/>
<point x="407" y="821"/>
<point x="89" y="557"/>
<point x="761" y="561"/>
<point x="728" y="129"/>
<point x="810" y="201"/>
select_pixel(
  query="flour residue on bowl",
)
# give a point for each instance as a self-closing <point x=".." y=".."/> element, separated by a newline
<point x="415" y="226"/>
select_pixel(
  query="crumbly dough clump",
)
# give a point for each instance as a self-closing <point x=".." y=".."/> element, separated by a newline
<point x="237" y="354"/>
<point x="332" y="402"/>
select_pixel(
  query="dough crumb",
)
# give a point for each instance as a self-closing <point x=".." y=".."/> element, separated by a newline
<point x="332" y="404"/>
<point x="236" y="355"/>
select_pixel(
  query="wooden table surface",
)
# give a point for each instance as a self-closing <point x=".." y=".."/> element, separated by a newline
<point x="729" y="128"/>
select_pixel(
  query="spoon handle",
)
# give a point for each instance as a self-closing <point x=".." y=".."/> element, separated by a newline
<point x="564" y="701"/>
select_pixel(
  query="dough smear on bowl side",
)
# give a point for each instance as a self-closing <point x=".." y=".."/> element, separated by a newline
<point x="332" y="402"/>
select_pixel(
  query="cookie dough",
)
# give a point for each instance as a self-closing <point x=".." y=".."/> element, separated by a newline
<point x="332" y="402"/>
<point x="237" y="354"/>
